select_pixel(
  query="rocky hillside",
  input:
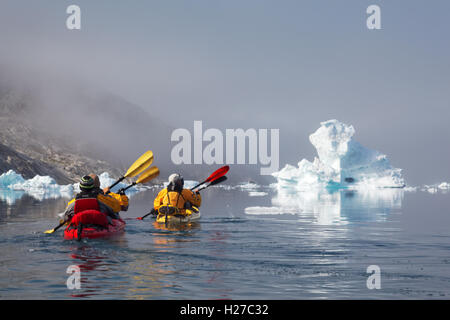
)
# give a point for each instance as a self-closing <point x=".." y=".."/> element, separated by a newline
<point x="66" y="133"/>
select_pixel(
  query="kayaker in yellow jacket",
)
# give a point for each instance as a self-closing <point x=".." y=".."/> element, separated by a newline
<point x="176" y="196"/>
<point x="108" y="202"/>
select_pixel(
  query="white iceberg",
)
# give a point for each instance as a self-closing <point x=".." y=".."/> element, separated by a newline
<point x="13" y="186"/>
<point x="341" y="163"/>
<point x="10" y="178"/>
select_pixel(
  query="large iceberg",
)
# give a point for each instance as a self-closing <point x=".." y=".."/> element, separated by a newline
<point x="341" y="163"/>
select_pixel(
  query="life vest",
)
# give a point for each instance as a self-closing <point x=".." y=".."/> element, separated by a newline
<point x="175" y="199"/>
<point x="173" y="203"/>
<point x="87" y="212"/>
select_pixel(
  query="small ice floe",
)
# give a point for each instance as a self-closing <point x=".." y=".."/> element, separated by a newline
<point x="248" y="186"/>
<point x="443" y="187"/>
<point x="257" y="193"/>
<point x="271" y="210"/>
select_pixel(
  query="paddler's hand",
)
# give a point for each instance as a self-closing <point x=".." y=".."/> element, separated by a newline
<point x="106" y="190"/>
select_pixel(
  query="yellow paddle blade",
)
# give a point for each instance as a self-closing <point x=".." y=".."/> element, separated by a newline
<point x="49" y="231"/>
<point x="140" y="164"/>
<point x="148" y="175"/>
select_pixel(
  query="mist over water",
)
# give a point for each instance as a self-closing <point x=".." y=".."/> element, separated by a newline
<point x="285" y="67"/>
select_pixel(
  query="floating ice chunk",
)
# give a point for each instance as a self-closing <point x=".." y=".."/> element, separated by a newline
<point x="43" y="187"/>
<point x="39" y="187"/>
<point x="444" y="186"/>
<point x="13" y="186"/>
<point x="10" y="178"/>
<point x="270" y="210"/>
<point x="257" y="193"/>
<point x="248" y="186"/>
<point x="342" y="163"/>
<point x="431" y="189"/>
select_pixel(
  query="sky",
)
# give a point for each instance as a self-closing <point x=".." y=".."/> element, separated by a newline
<point x="259" y="64"/>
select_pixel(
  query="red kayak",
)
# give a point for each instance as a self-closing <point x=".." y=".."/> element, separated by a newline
<point x="92" y="224"/>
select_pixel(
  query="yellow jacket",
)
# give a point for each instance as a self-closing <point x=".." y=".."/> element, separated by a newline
<point x="176" y="199"/>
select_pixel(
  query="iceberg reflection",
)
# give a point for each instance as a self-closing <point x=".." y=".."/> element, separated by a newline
<point x="334" y="206"/>
<point x="10" y="196"/>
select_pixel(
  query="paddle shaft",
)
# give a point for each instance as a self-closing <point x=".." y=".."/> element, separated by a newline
<point x="215" y="175"/>
<point x="214" y="182"/>
<point x="59" y="226"/>
<point x="151" y="212"/>
<point x="117" y="182"/>
<point x="131" y="185"/>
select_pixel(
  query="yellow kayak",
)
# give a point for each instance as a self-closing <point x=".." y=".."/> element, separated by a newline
<point x="191" y="215"/>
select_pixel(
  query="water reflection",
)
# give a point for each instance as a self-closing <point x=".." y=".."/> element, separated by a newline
<point x="98" y="262"/>
<point x="88" y="259"/>
<point x="148" y="277"/>
<point x="10" y="197"/>
<point x="177" y="226"/>
<point x="327" y="206"/>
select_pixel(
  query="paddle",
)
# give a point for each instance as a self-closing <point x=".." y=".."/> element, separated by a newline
<point x="218" y="180"/>
<point x="215" y="181"/>
<point x="56" y="228"/>
<point x="145" y="177"/>
<point x="215" y="175"/>
<point x="137" y="167"/>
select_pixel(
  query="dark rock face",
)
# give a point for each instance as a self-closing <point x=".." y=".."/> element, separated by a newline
<point x="29" y="167"/>
<point x="67" y="133"/>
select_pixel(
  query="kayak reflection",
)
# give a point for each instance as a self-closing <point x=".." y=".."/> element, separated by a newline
<point x="99" y="264"/>
<point x="177" y="226"/>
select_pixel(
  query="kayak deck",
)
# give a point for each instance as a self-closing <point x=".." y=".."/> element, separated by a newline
<point x="116" y="227"/>
<point x="194" y="216"/>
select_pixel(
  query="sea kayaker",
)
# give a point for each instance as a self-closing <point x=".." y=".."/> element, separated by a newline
<point x="110" y="204"/>
<point x="176" y="196"/>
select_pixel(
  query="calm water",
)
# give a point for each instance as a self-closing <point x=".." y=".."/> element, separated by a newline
<point x="249" y="244"/>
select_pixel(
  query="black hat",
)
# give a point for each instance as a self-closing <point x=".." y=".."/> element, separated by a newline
<point x="86" y="183"/>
